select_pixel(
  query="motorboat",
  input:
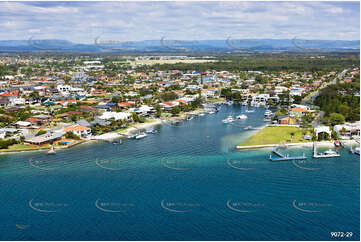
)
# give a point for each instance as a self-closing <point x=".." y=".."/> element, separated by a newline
<point x="267" y="120"/>
<point x="151" y="131"/>
<point x="330" y="152"/>
<point x="132" y="136"/>
<point x="229" y="119"/>
<point x="189" y="118"/>
<point x="201" y="114"/>
<point x="229" y="102"/>
<point x="141" y="136"/>
<point x="337" y="143"/>
<point x="268" y="113"/>
<point x="242" y="116"/>
<point x="250" y="111"/>
<point x="51" y="151"/>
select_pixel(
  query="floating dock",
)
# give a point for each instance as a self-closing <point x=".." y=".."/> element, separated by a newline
<point x="323" y="155"/>
<point x="285" y="157"/>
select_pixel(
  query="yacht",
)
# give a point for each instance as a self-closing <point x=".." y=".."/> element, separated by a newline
<point x="250" y="111"/>
<point x="141" y="136"/>
<point x="242" y="116"/>
<point x="229" y="119"/>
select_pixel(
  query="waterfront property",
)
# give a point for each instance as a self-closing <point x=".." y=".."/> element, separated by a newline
<point x="276" y="135"/>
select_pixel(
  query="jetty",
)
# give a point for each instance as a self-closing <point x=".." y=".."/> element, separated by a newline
<point x="327" y="154"/>
<point x="282" y="157"/>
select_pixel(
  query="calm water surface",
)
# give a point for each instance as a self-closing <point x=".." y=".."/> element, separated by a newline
<point x="184" y="183"/>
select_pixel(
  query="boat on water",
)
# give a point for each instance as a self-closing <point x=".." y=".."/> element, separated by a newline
<point x="242" y="116"/>
<point x="330" y="152"/>
<point x="267" y="120"/>
<point x="117" y="142"/>
<point x="245" y="103"/>
<point x="51" y="151"/>
<point x="229" y="102"/>
<point x="201" y="114"/>
<point x="355" y="151"/>
<point x="132" y="136"/>
<point x="189" y="118"/>
<point x="229" y="119"/>
<point x="141" y="136"/>
<point x="248" y="127"/>
<point x="268" y="112"/>
<point x="151" y="131"/>
<point x="250" y="111"/>
<point x="337" y="143"/>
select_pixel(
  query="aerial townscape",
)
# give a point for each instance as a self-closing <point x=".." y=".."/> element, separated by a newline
<point x="59" y="101"/>
<point x="180" y="121"/>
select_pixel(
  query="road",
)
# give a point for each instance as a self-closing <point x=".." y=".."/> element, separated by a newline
<point x="313" y="97"/>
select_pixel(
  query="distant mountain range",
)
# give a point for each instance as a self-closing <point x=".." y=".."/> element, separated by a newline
<point x="165" y="45"/>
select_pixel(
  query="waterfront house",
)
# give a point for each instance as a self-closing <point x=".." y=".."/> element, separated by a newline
<point x="286" y="120"/>
<point x="79" y="130"/>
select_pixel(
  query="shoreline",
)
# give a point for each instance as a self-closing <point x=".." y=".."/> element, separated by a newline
<point x="107" y="136"/>
<point x="308" y="144"/>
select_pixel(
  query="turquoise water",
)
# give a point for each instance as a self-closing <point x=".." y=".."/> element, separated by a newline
<point x="184" y="183"/>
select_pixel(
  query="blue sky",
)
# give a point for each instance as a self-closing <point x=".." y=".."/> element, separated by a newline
<point x="82" y="22"/>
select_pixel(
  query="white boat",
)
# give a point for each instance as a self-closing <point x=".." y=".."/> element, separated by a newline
<point x="211" y="112"/>
<point x="201" y="114"/>
<point x="189" y="118"/>
<point x="229" y="119"/>
<point x="250" y="111"/>
<point x="151" y="131"/>
<point x="330" y="152"/>
<point x="268" y="113"/>
<point x="141" y="136"/>
<point x="245" y="103"/>
<point x="229" y="102"/>
<point x="51" y="151"/>
<point x="267" y="120"/>
<point x="356" y="151"/>
<point x="242" y="116"/>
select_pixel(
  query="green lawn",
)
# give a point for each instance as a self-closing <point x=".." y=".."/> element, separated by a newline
<point x="276" y="135"/>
